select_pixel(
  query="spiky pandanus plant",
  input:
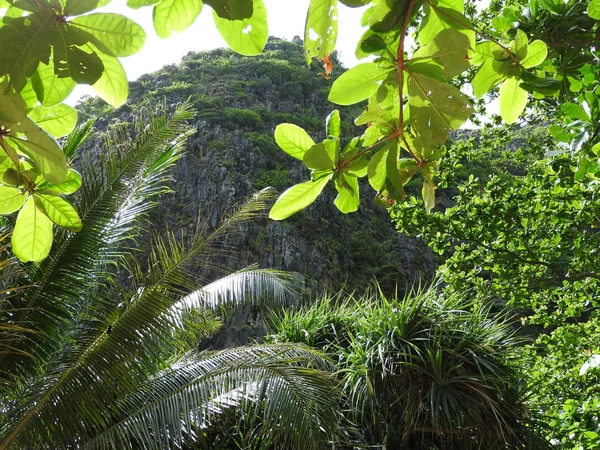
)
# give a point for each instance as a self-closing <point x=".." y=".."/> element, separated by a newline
<point x="428" y="371"/>
<point x="111" y="365"/>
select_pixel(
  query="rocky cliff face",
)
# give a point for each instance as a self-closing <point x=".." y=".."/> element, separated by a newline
<point x="240" y="101"/>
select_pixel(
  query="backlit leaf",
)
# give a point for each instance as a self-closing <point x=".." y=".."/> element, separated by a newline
<point x="321" y="29"/>
<point x="248" y="36"/>
<point x="318" y="158"/>
<point x="59" y="211"/>
<point x="32" y="234"/>
<point x="358" y="83"/>
<point x="174" y="15"/>
<point x="536" y="54"/>
<point x="333" y="124"/>
<point x="112" y="86"/>
<point x="348" y="197"/>
<point x="513" y="100"/>
<point x="11" y="199"/>
<point x="297" y="198"/>
<point x="593" y="9"/>
<point x="70" y="185"/>
<point x="115" y="34"/>
<point x="58" y="120"/>
<point x="293" y="140"/>
<point x="49" y="88"/>
<point x="233" y="9"/>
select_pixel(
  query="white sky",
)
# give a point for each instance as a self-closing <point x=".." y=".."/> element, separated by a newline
<point x="286" y="20"/>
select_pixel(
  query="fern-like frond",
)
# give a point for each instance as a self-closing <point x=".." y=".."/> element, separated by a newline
<point x="283" y="385"/>
<point x="66" y="307"/>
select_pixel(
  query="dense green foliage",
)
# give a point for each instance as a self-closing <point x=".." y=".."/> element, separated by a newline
<point x="425" y="372"/>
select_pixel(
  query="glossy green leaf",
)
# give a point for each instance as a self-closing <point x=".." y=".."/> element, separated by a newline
<point x="333" y="124"/>
<point x="321" y="29"/>
<point x="358" y="83"/>
<point x="174" y="15"/>
<point x="112" y="86"/>
<point x="318" y="158"/>
<point x="70" y="185"/>
<point x="49" y="88"/>
<point x="32" y="234"/>
<point x="233" y="9"/>
<point x="293" y="140"/>
<point x="59" y="211"/>
<point x="520" y="45"/>
<point x="11" y="199"/>
<point x="536" y="54"/>
<point x="593" y="9"/>
<point x="513" y="100"/>
<point x="248" y="36"/>
<point x="114" y="34"/>
<point x="298" y="197"/>
<point x="348" y="198"/>
<point x="58" y="120"/>
<point x="575" y="112"/>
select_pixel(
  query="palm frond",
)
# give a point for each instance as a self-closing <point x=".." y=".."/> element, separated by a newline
<point x="283" y="385"/>
<point x="66" y="305"/>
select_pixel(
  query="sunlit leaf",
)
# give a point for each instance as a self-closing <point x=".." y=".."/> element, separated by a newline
<point x="11" y="199"/>
<point x="297" y="198"/>
<point x="536" y="54"/>
<point x="59" y="211"/>
<point x="348" y="198"/>
<point x="293" y="140"/>
<point x="248" y="36"/>
<point x="358" y="83"/>
<point x="321" y="29"/>
<point x="174" y="15"/>
<point x="32" y="235"/>
<point x="513" y="100"/>
<point x="49" y="88"/>
<point x="58" y="120"/>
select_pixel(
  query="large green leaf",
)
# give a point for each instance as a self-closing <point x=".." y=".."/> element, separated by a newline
<point x="297" y="198"/>
<point x="358" y="83"/>
<point x="293" y="140"/>
<point x="487" y="77"/>
<point x="49" y="88"/>
<point x="377" y="169"/>
<point x="441" y="18"/>
<point x="593" y="9"/>
<point x="112" y="86"/>
<point x="513" y="100"/>
<point x="321" y="29"/>
<point x="318" y="158"/>
<point x="348" y="197"/>
<point x="70" y="185"/>
<point x="114" y="34"/>
<point x="333" y="124"/>
<point x="70" y="60"/>
<point x="24" y="44"/>
<point x="58" y="120"/>
<point x="77" y="7"/>
<point x="248" y="36"/>
<point x="42" y="149"/>
<point x="59" y="211"/>
<point x="11" y="199"/>
<point x="450" y="47"/>
<point x="32" y="234"/>
<point x="536" y="54"/>
<point x="174" y="15"/>
<point x="436" y="108"/>
<point x="13" y="109"/>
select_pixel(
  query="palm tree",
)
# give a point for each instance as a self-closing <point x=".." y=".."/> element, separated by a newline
<point x="429" y="371"/>
<point x="100" y="349"/>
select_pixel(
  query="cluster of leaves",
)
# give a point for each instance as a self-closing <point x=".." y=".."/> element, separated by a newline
<point x="48" y="48"/>
<point x="413" y="103"/>
<point x="426" y="371"/>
